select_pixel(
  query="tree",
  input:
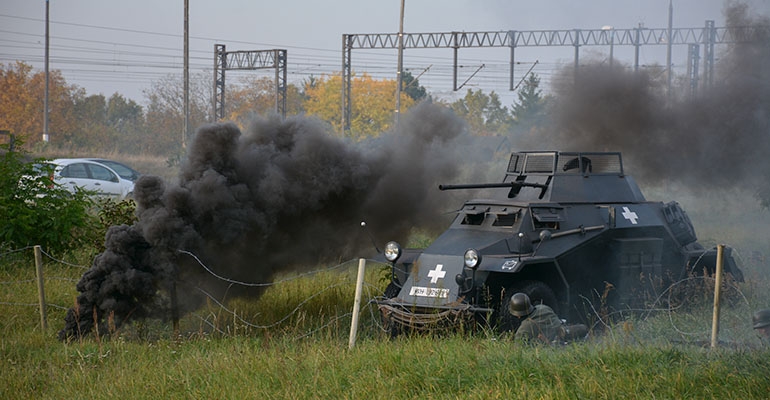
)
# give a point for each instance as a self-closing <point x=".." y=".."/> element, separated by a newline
<point x="323" y="99"/>
<point x="125" y="118"/>
<point x="371" y="108"/>
<point x="256" y="96"/>
<point x="484" y="114"/>
<point x="91" y="114"/>
<point x="412" y="87"/>
<point x="165" y="112"/>
<point x="22" y="95"/>
<point x="530" y="110"/>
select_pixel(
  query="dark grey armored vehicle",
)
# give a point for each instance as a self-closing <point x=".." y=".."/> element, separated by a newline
<point x="571" y="230"/>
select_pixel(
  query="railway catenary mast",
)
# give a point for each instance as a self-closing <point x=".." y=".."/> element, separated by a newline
<point x="708" y="36"/>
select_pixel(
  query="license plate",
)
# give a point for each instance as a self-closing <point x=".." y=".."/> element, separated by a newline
<point x="420" y="291"/>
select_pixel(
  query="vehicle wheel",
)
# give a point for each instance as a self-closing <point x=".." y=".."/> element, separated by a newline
<point x="538" y="292"/>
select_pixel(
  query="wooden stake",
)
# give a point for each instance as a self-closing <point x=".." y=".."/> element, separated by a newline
<point x="717" y="294"/>
<point x="41" y="288"/>
<point x="357" y="302"/>
<point x="174" y="310"/>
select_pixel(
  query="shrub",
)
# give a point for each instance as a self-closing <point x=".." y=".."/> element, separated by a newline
<point x="35" y="211"/>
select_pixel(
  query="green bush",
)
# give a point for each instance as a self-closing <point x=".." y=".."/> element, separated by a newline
<point x="111" y="213"/>
<point x="35" y="211"/>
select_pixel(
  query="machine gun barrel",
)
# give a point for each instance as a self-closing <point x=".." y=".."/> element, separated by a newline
<point x="491" y="185"/>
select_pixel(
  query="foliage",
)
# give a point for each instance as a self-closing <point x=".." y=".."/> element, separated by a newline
<point x="111" y="213"/>
<point x="371" y="108"/>
<point x="76" y="121"/>
<point x="530" y="110"/>
<point x="411" y="86"/>
<point x="22" y="94"/>
<point x="485" y="114"/>
<point x="165" y="112"/>
<point x="255" y="96"/>
<point x="34" y="211"/>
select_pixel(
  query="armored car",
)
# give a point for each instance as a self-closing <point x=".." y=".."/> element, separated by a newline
<point x="570" y="229"/>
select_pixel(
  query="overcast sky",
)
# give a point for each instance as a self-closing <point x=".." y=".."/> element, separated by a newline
<point x="111" y="46"/>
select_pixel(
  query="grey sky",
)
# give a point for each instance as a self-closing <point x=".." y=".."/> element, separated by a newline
<point x="110" y="46"/>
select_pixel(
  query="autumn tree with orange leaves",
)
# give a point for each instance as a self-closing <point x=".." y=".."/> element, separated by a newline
<point x="372" y="104"/>
<point x="22" y="95"/>
<point x="255" y="96"/>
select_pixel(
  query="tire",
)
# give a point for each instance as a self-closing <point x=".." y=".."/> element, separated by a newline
<point x="538" y="292"/>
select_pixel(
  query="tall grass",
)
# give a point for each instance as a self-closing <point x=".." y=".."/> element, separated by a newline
<point x="292" y="343"/>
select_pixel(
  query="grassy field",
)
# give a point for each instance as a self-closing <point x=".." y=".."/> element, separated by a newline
<point x="293" y="343"/>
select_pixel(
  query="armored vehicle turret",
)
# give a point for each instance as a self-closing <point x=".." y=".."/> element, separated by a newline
<point x="570" y="229"/>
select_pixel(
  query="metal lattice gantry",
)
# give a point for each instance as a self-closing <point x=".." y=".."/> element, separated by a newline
<point x="637" y="37"/>
<point x="248" y="60"/>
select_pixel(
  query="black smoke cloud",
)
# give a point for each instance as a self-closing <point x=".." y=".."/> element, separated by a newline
<point x="286" y="193"/>
<point x="718" y="138"/>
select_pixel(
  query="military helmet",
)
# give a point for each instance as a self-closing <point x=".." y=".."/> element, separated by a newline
<point x="520" y="305"/>
<point x="761" y="318"/>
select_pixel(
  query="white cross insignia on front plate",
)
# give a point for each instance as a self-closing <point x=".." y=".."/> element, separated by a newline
<point x="436" y="274"/>
<point x="629" y="215"/>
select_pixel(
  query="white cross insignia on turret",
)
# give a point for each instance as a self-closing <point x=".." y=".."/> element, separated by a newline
<point x="629" y="215"/>
<point x="436" y="274"/>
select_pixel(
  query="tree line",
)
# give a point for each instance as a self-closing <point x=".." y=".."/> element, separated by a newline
<point x="96" y="123"/>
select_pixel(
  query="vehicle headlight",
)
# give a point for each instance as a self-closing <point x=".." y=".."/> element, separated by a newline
<point x="472" y="258"/>
<point x="392" y="251"/>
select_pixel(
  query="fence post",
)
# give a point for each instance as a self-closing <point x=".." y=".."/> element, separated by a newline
<point x="717" y="295"/>
<point x="357" y="302"/>
<point x="41" y="288"/>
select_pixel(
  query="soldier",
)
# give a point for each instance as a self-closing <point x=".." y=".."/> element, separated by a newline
<point x="538" y="323"/>
<point x="761" y="320"/>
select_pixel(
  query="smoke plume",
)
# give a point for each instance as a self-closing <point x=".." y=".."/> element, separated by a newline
<point x="286" y="193"/>
<point x="717" y="137"/>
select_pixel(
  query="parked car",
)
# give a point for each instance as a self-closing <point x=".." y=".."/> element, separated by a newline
<point x="123" y="170"/>
<point x="79" y="173"/>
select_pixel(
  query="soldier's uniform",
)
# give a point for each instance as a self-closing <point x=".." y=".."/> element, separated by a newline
<point x="542" y="324"/>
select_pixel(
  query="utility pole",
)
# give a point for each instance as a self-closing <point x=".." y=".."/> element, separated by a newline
<point x="669" y="44"/>
<point x="400" y="62"/>
<point x="186" y="127"/>
<point x="45" y="100"/>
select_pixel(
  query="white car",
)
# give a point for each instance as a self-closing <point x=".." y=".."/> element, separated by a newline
<point x="123" y="170"/>
<point x="74" y="173"/>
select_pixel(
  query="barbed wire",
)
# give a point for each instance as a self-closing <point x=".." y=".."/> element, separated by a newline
<point x="603" y="318"/>
<point x="371" y="298"/>
<point x="264" y="284"/>
<point x="670" y="314"/>
<point x="367" y="287"/>
<point x="33" y="305"/>
<point x="15" y="251"/>
<point x="42" y="251"/>
<point x="324" y="326"/>
<point x="64" y="262"/>
<point x="670" y="310"/>
<point x="58" y="278"/>
<point x="276" y="323"/>
<point x="13" y="282"/>
<point x="52" y="278"/>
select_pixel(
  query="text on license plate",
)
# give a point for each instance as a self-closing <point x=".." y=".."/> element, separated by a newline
<point x="429" y="292"/>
